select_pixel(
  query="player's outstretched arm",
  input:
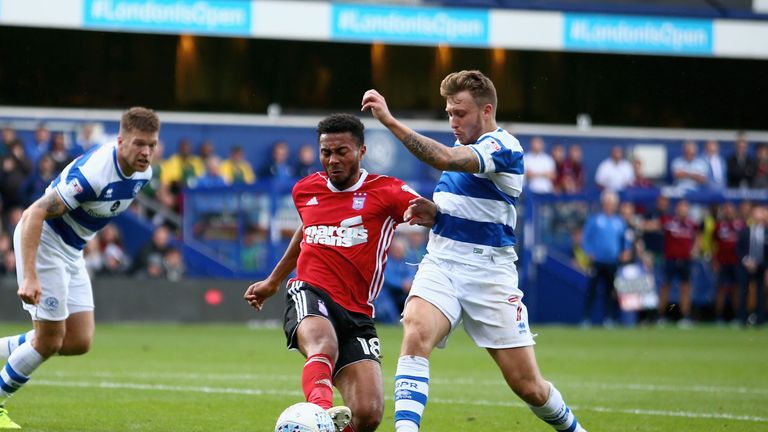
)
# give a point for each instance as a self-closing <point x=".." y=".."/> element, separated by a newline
<point x="429" y="151"/>
<point x="47" y="207"/>
<point x="260" y="291"/>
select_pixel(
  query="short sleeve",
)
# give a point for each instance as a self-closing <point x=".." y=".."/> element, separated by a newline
<point x="497" y="158"/>
<point x="402" y="194"/>
<point x="74" y="189"/>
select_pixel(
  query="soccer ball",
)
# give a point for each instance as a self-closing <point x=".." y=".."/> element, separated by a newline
<point x="304" y="417"/>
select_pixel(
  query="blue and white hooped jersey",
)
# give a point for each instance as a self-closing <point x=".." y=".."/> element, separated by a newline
<point x="477" y="211"/>
<point x="95" y="191"/>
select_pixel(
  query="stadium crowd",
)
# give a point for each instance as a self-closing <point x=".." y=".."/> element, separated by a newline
<point x="671" y="240"/>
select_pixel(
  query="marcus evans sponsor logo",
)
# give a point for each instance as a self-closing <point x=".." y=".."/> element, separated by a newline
<point x="350" y="232"/>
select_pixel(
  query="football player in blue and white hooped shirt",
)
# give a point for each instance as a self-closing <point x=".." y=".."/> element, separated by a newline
<point x="469" y="272"/>
<point x="48" y="241"/>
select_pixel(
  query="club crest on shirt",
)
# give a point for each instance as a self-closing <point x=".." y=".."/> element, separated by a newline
<point x="76" y="186"/>
<point x="136" y="189"/>
<point x="358" y="201"/>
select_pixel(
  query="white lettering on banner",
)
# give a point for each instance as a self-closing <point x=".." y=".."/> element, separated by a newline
<point x="439" y="25"/>
<point x="200" y="13"/>
<point x="665" y="35"/>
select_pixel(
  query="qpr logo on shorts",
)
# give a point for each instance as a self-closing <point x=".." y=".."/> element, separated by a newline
<point x="50" y="303"/>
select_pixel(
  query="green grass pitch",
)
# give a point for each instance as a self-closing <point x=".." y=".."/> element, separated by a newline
<point x="148" y="377"/>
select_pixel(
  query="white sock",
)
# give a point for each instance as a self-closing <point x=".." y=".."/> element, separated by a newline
<point x="10" y="343"/>
<point x="22" y="362"/>
<point x="556" y="413"/>
<point x="411" y="392"/>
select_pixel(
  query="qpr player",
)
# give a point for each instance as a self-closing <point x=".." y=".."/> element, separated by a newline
<point x="348" y="220"/>
<point x="48" y="241"/>
<point x="469" y="271"/>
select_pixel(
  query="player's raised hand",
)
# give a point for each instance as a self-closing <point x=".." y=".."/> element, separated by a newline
<point x="259" y="292"/>
<point x="374" y="101"/>
<point x="29" y="291"/>
<point x="421" y="211"/>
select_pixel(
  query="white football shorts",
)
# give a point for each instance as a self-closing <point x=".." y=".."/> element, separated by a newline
<point x="484" y="297"/>
<point x="66" y="287"/>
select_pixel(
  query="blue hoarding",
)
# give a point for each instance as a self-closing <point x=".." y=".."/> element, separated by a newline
<point x="409" y="25"/>
<point x="170" y="16"/>
<point x="616" y="33"/>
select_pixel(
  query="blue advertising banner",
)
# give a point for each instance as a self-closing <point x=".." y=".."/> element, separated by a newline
<point x="409" y="25"/>
<point x="226" y="17"/>
<point x="616" y="33"/>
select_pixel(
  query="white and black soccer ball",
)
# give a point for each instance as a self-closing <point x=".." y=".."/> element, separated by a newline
<point x="304" y="417"/>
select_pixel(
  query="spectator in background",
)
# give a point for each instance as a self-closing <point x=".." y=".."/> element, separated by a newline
<point x="173" y="265"/>
<point x="752" y="248"/>
<point x="741" y="166"/>
<point x="59" y="153"/>
<point x="573" y="170"/>
<point x="181" y="169"/>
<point x="115" y="260"/>
<point x="615" y="173"/>
<point x="211" y="177"/>
<point x="206" y="150"/>
<point x="13" y="173"/>
<point x="540" y="170"/>
<point x="94" y="260"/>
<point x="725" y="263"/>
<point x="680" y="246"/>
<point x="653" y="231"/>
<point x="604" y="244"/>
<point x="40" y="144"/>
<point x="88" y="137"/>
<point x="38" y="181"/>
<point x="761" y="170"/>
<point x="717" y="178"/>
<point x="307" y="163"/>
<point x="253" y="251"/>
<point x="8" y="137"/>
<point x="558" y="156"/>
<point x="236" y="169"/>
<point x="688" y="170"/>
<point x="155" y="249"/>
<point x="278" y="167"/>
<point x="5" y="248"/>
<point x="641" y="182"/>
<point x="579" y="257"/>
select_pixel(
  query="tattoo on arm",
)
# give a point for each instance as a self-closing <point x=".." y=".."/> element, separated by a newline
<point x="423" y="150"/>
<point x="53" y="206"/>
<point x="429" y="152"/>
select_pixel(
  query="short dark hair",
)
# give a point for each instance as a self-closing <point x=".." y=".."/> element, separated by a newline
<point x="340" y="123"/>
<point x="139" y="118"/>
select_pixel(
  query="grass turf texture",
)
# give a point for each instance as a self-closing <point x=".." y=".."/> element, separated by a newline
<point x="148" y="377"/>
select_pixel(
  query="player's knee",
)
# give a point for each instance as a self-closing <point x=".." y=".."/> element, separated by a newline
<point x="75" y="347"/>
<point x="368" y="418"/>
<point x="532" y="392"/>
<point x="47" y="346"/>
<point x="418" y="337"/>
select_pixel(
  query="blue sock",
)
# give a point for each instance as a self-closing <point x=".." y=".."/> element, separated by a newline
<point x="411" y="392"/>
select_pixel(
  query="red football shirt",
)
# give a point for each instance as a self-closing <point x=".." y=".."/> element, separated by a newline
<point x="679" y="236"/>
<point x="726" y="237"/>
<point x="347" y="235"/>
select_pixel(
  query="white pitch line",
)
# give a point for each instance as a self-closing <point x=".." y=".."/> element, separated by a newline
<point x="440" y="381"/>
<point x="261" y="392"/>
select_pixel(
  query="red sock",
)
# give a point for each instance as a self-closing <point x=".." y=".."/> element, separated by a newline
<point x="349" y="428"/>
<point x="316" y="380"/>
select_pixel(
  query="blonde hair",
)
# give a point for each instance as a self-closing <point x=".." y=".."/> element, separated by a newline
<point x="479" y="86"/>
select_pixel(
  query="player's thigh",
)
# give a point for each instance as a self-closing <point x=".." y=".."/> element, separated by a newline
<point x="360" y="385"/>
<point x="432" y="309"/>
<point x="493" y="311"/>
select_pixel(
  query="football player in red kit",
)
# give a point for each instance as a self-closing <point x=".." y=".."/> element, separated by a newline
<point x="348" y="219"/>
